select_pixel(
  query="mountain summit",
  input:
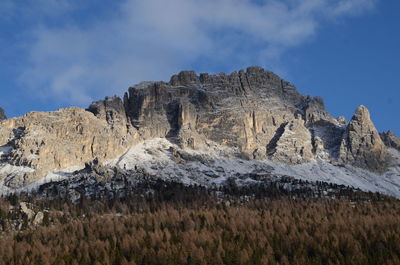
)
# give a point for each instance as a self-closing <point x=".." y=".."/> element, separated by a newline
<point x="252" y="116"/>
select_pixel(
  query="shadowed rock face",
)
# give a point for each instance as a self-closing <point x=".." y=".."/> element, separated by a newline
<point x="112" y="110"/>
<point x="242" y="110"/>
<point x="256" y="112"/>
<point x="2" y="115"/>
<point x="391" y="140"/>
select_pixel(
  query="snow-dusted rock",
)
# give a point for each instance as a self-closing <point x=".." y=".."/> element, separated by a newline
<point x="391" y="140"/>
<point x="199" y="129"/>
<point x="293" y="145"/>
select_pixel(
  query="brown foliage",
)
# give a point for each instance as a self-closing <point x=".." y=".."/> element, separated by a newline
<point x="279" y="231"/>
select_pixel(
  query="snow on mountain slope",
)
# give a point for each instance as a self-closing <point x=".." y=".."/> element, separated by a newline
<point x="12" y="170"/>
<point x="262" y="115"/>
<point x="214" y="166"/>
<point x="204" y="167"/>
<point x="320" y="170"/>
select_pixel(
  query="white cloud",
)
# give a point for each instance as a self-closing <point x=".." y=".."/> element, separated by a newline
<point x="147" y="40"/>
<point x="353" y="7"/>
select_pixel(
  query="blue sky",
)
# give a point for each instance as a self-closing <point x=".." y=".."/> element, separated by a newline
<point x="58" y="53"/>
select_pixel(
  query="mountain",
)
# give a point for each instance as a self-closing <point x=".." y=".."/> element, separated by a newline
<point x="202" y="129"/>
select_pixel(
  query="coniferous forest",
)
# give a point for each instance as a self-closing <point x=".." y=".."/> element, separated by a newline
<point x="175" y="224"/>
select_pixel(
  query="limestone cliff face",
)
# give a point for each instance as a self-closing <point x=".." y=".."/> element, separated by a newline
<point x="113" y="111"/>
<point x="362" y="145"/>
<point x="293" y="144"/>
<point x="49" y="141"/>
<point x="254" y="111"/>
<point x="243" y="110"/>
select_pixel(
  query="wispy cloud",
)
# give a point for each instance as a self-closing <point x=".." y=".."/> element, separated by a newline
<point x="353" y="7"/>
<point x="146" y="40"/>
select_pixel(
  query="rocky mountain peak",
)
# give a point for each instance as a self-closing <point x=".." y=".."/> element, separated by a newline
<point x="361" y="123"/>
<point x="362" y="145"/>
<point x="243" y="109"/>
<point x="362" y="115"/>
<point x="254" y="81"/>
<point x="253" y="112"/>
<point x="184" y="78"/>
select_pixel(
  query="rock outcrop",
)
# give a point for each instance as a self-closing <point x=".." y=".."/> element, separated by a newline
<point x="25" y="210"/>
<point x="51" y="141"/>
<point x="362" y="145"/>
<point x="2" y="115"/>
<point x="35" y="218"/>
<point x="254" y="112"/>
<point x="314" y="111"/>
<point x="38" y="220"/>
<point x="391" y="140"/>
<point x="293" y="144"/>
<point x="243" y="110"/>
<point x="112" y="110"/>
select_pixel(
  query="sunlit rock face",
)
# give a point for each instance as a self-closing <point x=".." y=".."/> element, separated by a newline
<point x="40" y="142"/>
<point x="362" y="145"/>
<point x="254" y="112"/>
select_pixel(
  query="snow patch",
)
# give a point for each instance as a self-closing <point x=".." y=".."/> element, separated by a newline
<point x="213" y="165"/>
<point x="8" y="169"/>
<point x="210" y="167"/>
<point x="50" y="177"/>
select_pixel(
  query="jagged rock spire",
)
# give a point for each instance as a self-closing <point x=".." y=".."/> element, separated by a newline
<point x="252" y="111"/>
<point x="362" y="145"/>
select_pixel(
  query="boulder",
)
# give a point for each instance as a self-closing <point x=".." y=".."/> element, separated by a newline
<point x="26" y="211"/>
<point x="38" y="220"/>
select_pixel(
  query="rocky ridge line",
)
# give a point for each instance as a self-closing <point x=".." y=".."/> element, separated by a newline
<point x="254" y="112"/>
